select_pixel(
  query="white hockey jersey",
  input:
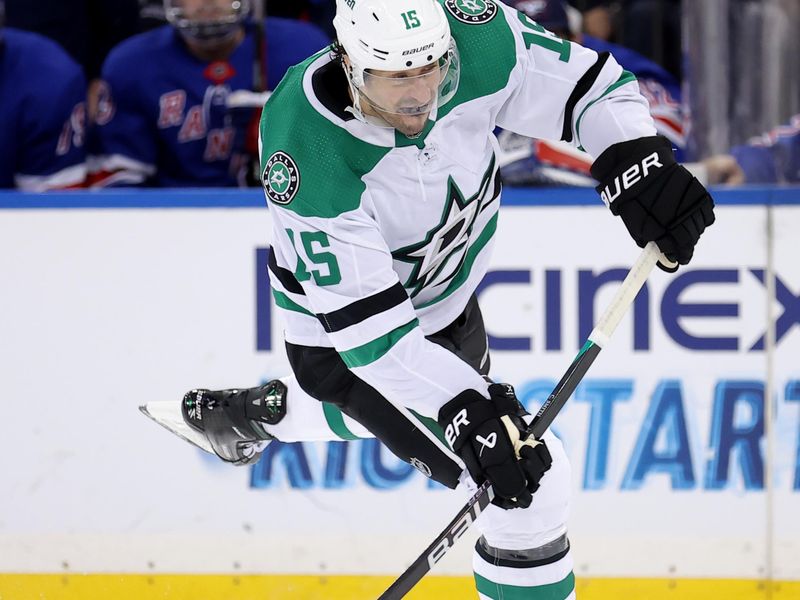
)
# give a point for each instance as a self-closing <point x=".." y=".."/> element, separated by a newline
<point x="378" y="239"/>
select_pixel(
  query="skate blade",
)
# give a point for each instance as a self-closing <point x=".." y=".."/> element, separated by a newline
<point x="168" y="415"/>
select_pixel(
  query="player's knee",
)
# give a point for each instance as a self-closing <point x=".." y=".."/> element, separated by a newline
<point x="543" y="571"/>
<point x="544" y="520"/>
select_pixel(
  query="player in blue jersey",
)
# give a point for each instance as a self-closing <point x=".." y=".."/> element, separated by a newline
<point x="538" y="162"/>
<point x="42" y="114"/>
<point x="770" y="158"/>
<point x="170" y="106"/>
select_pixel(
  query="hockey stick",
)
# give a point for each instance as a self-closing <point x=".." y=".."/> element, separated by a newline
<point x="555" y="402"/>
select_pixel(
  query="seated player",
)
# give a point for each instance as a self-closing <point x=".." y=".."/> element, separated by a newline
<point x="770" y="158"/>
<point x="170" y="108"/>
<point x="42" y="114"/>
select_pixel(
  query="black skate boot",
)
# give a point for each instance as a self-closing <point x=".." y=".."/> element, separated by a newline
<point x="229" y="419"/>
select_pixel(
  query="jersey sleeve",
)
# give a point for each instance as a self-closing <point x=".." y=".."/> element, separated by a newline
<point x="53" y="153"/>
<point x="123" y="148"/>
<point x="344" y="268"/>
<point x="773" y="157"/>
<point x="563" y="91"/>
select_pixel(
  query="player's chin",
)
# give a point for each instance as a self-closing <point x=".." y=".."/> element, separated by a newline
<point x="410" y="125"/>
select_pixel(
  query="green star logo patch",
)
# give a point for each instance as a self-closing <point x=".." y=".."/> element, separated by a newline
<point x="439" y="257"/>
<point x="281" y="178"/>
<point x="472" y="11"/>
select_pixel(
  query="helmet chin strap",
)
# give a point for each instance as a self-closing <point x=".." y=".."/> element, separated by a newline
<point x="355" y="110"/>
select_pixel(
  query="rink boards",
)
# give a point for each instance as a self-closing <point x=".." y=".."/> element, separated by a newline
<point x="680" y="476"/>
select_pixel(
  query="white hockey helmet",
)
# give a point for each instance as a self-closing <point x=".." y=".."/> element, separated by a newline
<point x="387" y="35"/>
<point x="206" y="20"/>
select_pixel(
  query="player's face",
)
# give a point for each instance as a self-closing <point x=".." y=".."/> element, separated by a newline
<point x="404" y="99"/>
<point x="212" y="29"/>
<point x="207" y="11"/>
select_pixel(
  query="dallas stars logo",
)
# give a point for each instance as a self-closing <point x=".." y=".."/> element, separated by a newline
<point x="281" y="178"/>
<point x="439" y="257"/>
<point x="472" y="11"/>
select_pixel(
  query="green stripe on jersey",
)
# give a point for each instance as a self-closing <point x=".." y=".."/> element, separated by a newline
<point x="469" y="260"/>
<point x="626" y="77"/>
<point x="335" y="421"/>
<point x="501" y="591"/>
<point x="372" y="351"/>
<point x="284" y="301"/>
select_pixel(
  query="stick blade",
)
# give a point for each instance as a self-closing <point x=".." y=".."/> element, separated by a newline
<point x="168" y="415"/>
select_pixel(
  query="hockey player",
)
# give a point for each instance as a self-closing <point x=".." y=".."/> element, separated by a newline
<point x="42" y="114"/>
<point x="164" y="109"/>
<point x="380" y="172"/>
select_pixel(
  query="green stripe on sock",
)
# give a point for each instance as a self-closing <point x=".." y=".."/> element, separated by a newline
<point x="335" y="421"/>
<point x="284" y="301"/>
<point x="372" y="351"/>
<point x="500" y="591"/>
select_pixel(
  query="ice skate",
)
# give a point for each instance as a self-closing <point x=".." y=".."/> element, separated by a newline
<point x="228" y="423"/>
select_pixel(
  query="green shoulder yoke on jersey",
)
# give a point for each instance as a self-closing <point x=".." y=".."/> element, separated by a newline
<point x="486" y="47"/>
<point x="310" y="165"/>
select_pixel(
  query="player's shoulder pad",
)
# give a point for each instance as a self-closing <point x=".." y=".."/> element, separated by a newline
<point x="309" y="164"/>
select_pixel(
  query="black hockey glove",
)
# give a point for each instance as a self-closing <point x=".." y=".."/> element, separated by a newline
<point x="658" y="199"/>
<point x="489" y="435"/>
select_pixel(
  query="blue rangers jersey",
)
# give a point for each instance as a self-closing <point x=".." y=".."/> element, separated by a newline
<point x="162" y="111"/>
<point x="42" y="114"/>
<point x="773" y="157"/>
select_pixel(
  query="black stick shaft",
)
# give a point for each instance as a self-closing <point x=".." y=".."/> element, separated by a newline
<point x="555" y="402"/>
<point x="475" y="506"/>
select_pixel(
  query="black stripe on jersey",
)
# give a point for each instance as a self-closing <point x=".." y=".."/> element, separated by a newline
<point x="508" y="559"/>
<point x="363" y="309"/>
<point x="584" y="84"/>
<point x="498" y="187"/>
<point x="285" y="276"/>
